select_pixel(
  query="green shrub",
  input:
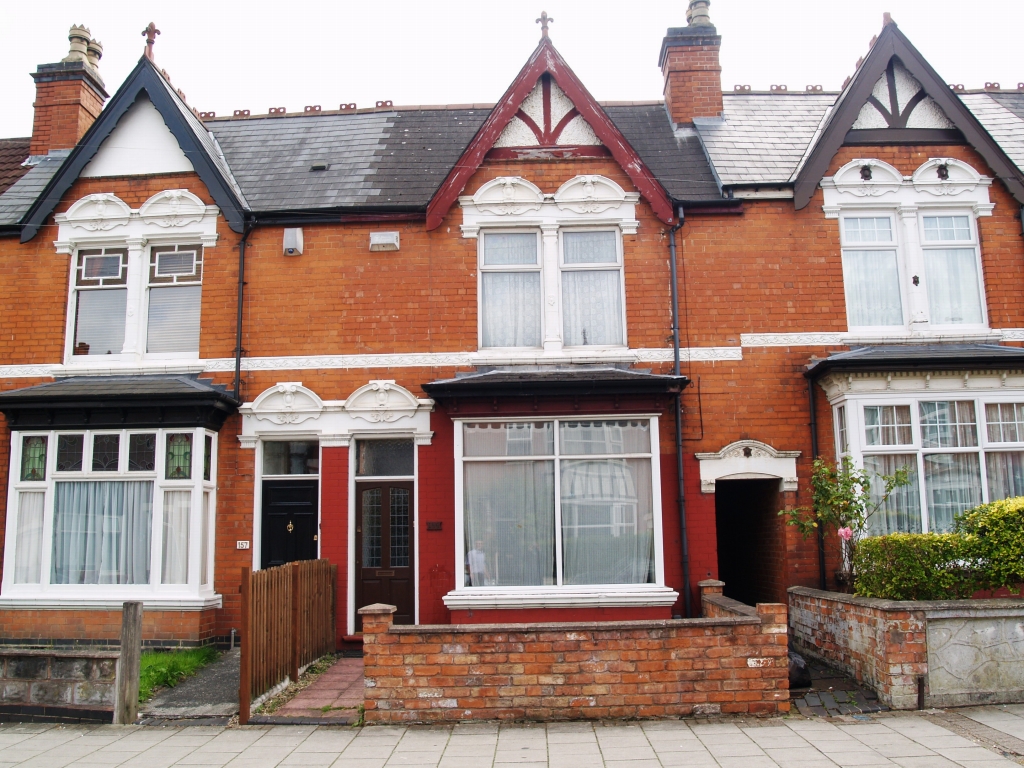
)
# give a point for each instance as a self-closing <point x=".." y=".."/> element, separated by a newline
<point x="914" y="566"/>
<point x="168" y="668"/>
<point x="994" y="536"/>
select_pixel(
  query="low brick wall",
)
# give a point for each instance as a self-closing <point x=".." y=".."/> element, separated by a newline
<point x="962" y="651"/>
<point x="60" y="686"/>
<point x="734" y="662"/>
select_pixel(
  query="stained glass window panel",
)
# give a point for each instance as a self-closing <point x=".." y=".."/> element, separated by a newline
<point x="141" y="453"/>
<point x="179" y="457"/>
<point x="371" y="528"/>
<point x="105" y="452"/>
<point x="69" y="452"/>
<point x="399" y="528"/>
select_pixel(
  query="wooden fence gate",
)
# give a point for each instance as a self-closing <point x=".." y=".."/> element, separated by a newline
<point x="288" y="621"/>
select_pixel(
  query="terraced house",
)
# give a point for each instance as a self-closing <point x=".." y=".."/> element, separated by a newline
<point x="532" y="360"/>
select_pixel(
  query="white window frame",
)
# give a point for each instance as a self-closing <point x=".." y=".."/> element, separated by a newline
<point x="618" y="267"/>
<point x="857" y="438"/>
<point x="482" y="268"/>
<point x="895" y="245"/>
<point x="192" y="594"/>
<point x="940" y="245"/>
<point x="558" y="595"/>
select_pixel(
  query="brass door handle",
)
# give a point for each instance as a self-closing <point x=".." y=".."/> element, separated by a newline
<point x="289" y="527"/>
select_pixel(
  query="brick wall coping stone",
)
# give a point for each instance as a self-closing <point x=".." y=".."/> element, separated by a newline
<point x="579" y="626"/>
<point x="728" y="604"/>
<point x="992" y="606"/>
<point x="60" y="652"/>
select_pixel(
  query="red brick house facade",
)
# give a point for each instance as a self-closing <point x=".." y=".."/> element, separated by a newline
<point x="436" y="345"/>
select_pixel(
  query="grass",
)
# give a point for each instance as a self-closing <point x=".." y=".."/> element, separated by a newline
<point x="168" y="668"/>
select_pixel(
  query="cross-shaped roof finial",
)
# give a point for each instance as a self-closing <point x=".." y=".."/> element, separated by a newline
<point x="150" y="34"/>
<point x="544" y="20"/>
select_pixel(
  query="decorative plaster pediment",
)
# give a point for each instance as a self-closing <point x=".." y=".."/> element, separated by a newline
<point x="384" y="401"/>
<point x="287" y="402"/>
<point x="748" y="460"/>
<point x="97" y="213"/>
<point x="508" y="196"/>
<point x="592" y="194"/>
<point x="946" y="176"/>
<point x="173" y="208"/>
<point x="878" y="179"/>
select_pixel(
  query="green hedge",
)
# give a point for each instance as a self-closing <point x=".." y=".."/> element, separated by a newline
<point x="984" y="551"/>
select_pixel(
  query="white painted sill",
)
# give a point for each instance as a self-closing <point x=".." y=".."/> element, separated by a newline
<point x="639" y="596"/>
<point x="29" y="602"/>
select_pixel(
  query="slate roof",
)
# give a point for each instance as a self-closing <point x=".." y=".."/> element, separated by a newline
<point x="1002" y="115"/>
<point x="119" y="389"/>
<point x="898" y="357"/>
<point x="579" y="380"/>
<point x="12" y="154"/>
<point x="15" y="202"/>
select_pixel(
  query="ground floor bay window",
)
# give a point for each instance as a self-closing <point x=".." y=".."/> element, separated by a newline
<point x="551" y="509"/>
<point x="107" y="515"/>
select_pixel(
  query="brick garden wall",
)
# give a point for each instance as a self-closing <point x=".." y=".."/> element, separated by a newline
<point x="67" y="686"/>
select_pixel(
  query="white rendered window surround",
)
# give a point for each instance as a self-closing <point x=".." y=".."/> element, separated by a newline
<point x="157" y="292"/>
<point x="910" y="247"/>
<point x="95" y="527"/>
<point x="581" y="283"/>
<point x="539" y="468"/>
<point x="961" y="437"/>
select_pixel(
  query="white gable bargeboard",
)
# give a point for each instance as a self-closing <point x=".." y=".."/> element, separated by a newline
<point x="141" y="144"/>
<point x="576" y="132"/>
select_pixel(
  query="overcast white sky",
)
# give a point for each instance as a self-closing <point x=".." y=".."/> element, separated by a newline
<point x="268" y="53"/>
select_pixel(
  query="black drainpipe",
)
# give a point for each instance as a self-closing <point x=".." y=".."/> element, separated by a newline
<point x="246" y="229"/>
<point x="679" y="411"/>
<point x="814" y="455"/>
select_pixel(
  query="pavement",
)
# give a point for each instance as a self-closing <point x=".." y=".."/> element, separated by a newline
<point x="211" y="695"/>
<point x="335" y="695"/>
<point x="932" y="739"/>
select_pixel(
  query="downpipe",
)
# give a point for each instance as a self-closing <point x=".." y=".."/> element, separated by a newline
<point x="679" y="413"/>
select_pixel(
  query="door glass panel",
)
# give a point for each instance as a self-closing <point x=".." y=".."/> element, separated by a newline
<point x="371" y="528"/>
<point x="399" y="528"/>
<point x="384" y="458"/>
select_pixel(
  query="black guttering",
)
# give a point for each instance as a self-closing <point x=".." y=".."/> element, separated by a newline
<point x="146" y="78"/>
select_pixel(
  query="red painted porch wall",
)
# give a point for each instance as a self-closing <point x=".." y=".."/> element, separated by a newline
<point x="437" y="505"/>
<point x="334" y="524"/>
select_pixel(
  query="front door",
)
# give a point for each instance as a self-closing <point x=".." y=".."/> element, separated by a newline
<point x="289" y="521"/>
<point x="384" y="566"/>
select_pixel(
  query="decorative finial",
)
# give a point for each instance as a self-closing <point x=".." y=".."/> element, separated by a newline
<point x="150" y="34"/>
<point x="697" y="14"/>
<point x="544" y="20"/>
<point x="886" y="19"/>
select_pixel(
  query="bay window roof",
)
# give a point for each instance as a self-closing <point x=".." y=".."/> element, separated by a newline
<point x="576" y="381"/>
<point x="899" y="357"/>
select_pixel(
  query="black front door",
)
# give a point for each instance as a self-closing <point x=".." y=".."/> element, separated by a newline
<point x="384" y="566"/>
<point x="289" y="521"/>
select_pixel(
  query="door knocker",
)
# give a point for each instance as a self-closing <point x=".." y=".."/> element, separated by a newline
<point x="290" y="527"/>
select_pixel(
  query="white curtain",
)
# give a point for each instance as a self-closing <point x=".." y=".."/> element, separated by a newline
<point x="952" y="484"/>
<point x="593" y="438"/>
<point x="901" y="512"/>
<point x="204" y="542"/>
<point x="99" y="321"/>
<point x="509" y="510"/>
<point x="1005" y="474"/>
<point x="590" y="247"/>
<point x="175" y="540"/>
<point x="174" y="315"/>
<point x="954" y="294"/>
<point x="872" y="288"/>
<point x="591" y="307"/>
<point x="101" y="532"/>
<point x="607" y="521"/>
<point x="511" y="309"/>
<point x="28" y="549"/>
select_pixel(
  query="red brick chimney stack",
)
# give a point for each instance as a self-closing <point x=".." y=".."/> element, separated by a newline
<point x="689" y="63"/>
<point x="69" y="95"/>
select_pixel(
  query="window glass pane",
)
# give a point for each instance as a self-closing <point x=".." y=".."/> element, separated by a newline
<point x="868" y="230"/>
<point x="607" y="522"/>
<point x="208" y="456"/>
<point x="371" y="528"/>
<point x="501" y="249"/>
<point x="590" y="438"/>
<point x="141" y="453"/>
<point x="399" y="552"/>
<point x="1005" y="475"/>
<point x="887" y="425"/>
<point x="954" y="293"/>
<point x="204" y="541"/>
<point x="96" y="267"/>
<point x="948" y="425"/>
<point x="106" y="450"/>
<point x="298" y="457"/>
<point x="946" y="228"/>
<point x="901" y="512"/>
<point x="590" y="247"/>
<point x="510" y="307"/>
<point x="384" y="458"/>
<point x="99" y="322"/>
<point x="592" y="308"/>
<point x="841" y="435"/>
<point x="952" y="484"/>
<point x="69" y="452"/>
<point x="179" y="457"/>
<point x="175" y="263"/>
<point x="872" y="288"/>
<point x="175" y="539"/>
<point x="516" y="439"/>
<point x="28" y="549"/>
<point x="509" y="512"/>
<point x="1005" y="422"/>
<point x="174" y="319"/>
<point x="33" y="457"/>
<point x="101" y="532"/>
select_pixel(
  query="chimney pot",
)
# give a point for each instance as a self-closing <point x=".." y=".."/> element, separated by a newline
<point x="79" y="37"/>
<point x="697" y="14"/>
<point x="95" y="53"/>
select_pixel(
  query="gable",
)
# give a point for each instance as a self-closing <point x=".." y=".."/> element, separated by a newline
<point x="141" y="144"/>
<point x="547" y="118"/>
<point x="898" y="100"/>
